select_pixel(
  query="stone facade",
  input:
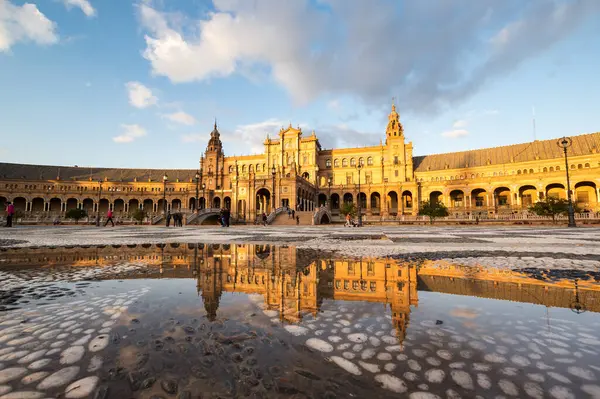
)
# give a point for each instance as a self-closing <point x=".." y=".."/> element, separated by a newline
<point x="295" y="171"/>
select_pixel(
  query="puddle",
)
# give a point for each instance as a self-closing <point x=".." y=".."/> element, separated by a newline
<point x="229" y="321"/>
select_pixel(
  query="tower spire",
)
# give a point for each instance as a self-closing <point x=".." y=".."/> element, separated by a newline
<point x="215" y="122"/>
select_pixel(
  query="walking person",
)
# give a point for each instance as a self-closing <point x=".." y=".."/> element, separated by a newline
<point x="10" y="211"/>
<point x="293" y="214"/>
<point x="168" y="218"/>
<point x="264" y="219"/>
<point x="297" y="220"/>
<point x="109" y="218"/>
<point x="227" y="217"/>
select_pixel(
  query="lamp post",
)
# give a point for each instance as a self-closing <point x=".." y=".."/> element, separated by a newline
<point x="329" y="185"/>
<point x="98" y="206"/>
<point x="273" y="172"/>
<point x="359" y="167"/>
<point x="196" y="201"/>
<point x="203" y="188"/>
<point x="165" y="178"/>
<point x="565" y="143"/>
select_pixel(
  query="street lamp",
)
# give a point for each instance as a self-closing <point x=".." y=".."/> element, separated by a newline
<point x="203" y="188"/>
<point x="329" y="185"/>
<point x="196" y="200"/>
<point x="98" y="206"/>
<point x="565" y="143"/>
<point x="273" y="172"/>
<point x="165" y="178"/>
<point x="359" y="167"/>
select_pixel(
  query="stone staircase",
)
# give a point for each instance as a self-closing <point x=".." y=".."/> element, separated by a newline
<point x="284" y="220"/>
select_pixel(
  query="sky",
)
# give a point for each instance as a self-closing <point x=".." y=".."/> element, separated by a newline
<point x="139" y="83"/>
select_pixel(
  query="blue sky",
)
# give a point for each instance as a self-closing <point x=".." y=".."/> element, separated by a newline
<point x="138" y="83"/>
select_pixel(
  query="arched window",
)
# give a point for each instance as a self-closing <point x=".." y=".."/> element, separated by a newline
<point x="370" y="161"/>
<point x="344" y="162"/>
<point x="352" y="162"/>
<point x="230" y="168"/>
<point x="361" y="161"/>
<point x="243" y="168"/>
<point x="572" y="166"/>
<point x="524" y="171"/>
<point x="545" y="170"/>
<point x="587" y="165"/>
<point x="495" y="173"/>
<point x="530" y="170"/>
<point x="580" y="166"/>
<point x="336" y="163"/>
<point x="551" y="169"/>
<point x="472" y="176"/>
<point x="251" y="168"/>
<point x="557" y="168"/>
<point x="258" y="167"/>
<point x="518" y="172"/>
<point x="328" y="163"/>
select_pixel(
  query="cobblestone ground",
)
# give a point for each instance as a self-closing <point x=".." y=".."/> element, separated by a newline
<point x="548" y="248"/>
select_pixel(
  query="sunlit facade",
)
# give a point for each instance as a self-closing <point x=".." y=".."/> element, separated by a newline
<point x="295" y="171"/>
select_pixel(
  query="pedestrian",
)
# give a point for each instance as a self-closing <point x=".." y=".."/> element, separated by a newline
<point x="109" y="218"/>
<point x="293" y="214"/>
<point x="10" y="211"/>
<point x="264" y="219"/>
<point x="289" y="213"/>
<point x="348" y="220"/>
<point x="168" y="218"/>
<point x="297" y="220"/>
<point x="180" y="219"/>
<point x="227" y="217"/>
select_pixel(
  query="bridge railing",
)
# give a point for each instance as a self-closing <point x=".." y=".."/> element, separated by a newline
<point x="274" y="214"/>
<point x="318" y="214"/>
<point x="192" y="217"/>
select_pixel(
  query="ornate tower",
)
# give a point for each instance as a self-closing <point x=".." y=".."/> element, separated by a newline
<point x="398" y="162"/>
<point x="213" y="161"/>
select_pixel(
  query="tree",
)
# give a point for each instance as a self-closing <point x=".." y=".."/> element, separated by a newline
<point x="348" y="208"/>
<point x="433" y="210"/>
<point x="139" y="215"/>
<point x="551" y="206"/>
<point x="76" y="214"/>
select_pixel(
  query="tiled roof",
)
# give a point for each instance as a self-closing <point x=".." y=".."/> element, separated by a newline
<point x="544" y="149"/>
<point x="67" y="173"/>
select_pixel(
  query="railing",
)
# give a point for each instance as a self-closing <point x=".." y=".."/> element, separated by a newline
<point x="192" y="217"/>
<point x="157" y="219"/>
<point x="274" y="214"/>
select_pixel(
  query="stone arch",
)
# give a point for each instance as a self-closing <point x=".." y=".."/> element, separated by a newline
<point x="148" y="205"/>
<point x="407" y="200"/>
<point x="348" y="198"/>
<point x="227" y="202"/>
<point x="528" y="195"/>
<point x="241" y="208"/>
<point x="478" y="198"/>
<point x="19" y="203"/>
<point x="55" y="205"/>
<point x="436" y="196"/>
<point x="362" y="199"/>
<point x="392" y="202"/>
<point x="71" y="203"/>
<point x="585" y="195"/>
<point x="556" y="190"/>
<point x="325" y="219"/>
<point x="216" y="202"/>
<point x="502" y="196"/>
<point x="306" y="175"/>
<point x="263" y="201"/>
<point x="133" y="205"/>
<point x="335" y="201"/>
<point x="375" y="202"/>
<point x="103" y="206"/>
<point x="457" y="198"/>
<point x="37" y="204"/>
<point x="119" y="205"/>
<point x="88" y="205"/>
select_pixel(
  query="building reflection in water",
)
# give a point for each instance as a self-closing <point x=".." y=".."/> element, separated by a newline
<point x="295" y="283"/>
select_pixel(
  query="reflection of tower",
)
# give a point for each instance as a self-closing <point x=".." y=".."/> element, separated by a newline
<point x="402" y="294"/>
<point x="326" y="275"/>
<point x="211" y="285"/>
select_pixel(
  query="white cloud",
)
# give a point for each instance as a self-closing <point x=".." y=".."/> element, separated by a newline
<point x="333" y="104"/>
<point x="455" y="133"/>
<point x="459" y="123"/>
<point x="84" y="5"/>
<point x="181" y="117"/>
<point x="194" y="138"/>
<point x="130" y="133"/>
<point x="344" y="47"/>
<point x="24" y="23"/>
<point x="249" y="138"/>
<point x="140" y="96"/>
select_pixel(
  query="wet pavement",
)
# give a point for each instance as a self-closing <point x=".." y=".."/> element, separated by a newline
<point x="275" y="321"/>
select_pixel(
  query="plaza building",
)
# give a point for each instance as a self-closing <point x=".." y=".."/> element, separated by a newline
<point x="387" y="180"/>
